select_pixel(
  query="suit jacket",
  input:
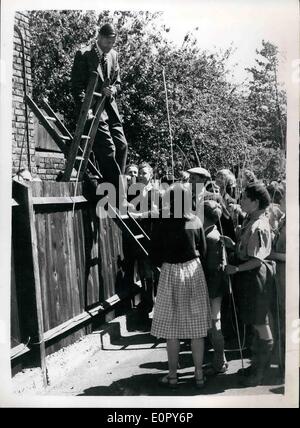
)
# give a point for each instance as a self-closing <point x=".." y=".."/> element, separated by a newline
<point x="86" y="60"/>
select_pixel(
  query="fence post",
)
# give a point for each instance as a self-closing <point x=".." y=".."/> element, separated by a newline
<point x="24" y="193"/>
<point x="38" y="294"/>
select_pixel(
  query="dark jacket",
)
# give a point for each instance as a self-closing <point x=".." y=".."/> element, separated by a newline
<point x="85" y="62"/>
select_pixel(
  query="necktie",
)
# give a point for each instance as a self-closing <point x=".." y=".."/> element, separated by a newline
<point x="104" y="65"/>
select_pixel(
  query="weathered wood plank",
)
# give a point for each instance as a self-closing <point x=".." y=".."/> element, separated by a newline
<point x="91" y="252"/>
<point x="77" y="255"/>
<point x="95" y="267"/>
<point x="50" y="200"/>
<point x="71" y="276"/>
<point x="38" y="295"/>
<point x="86" y="315"/>
<point x="104" y="257"/>
<point x="24" y="275"/>
<point x="66" y="284"/>
<point x="37" y="190"/>
<point x="15" y="336"/>
<point x="18" y="350"/>
<point x="53" y="291"/>
<point x="43" y="262"/>
<point x="79" y="245"/>
<point x="61" y="259"/>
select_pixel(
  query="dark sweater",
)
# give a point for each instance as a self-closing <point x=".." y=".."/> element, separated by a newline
<point x="177" y="241"/>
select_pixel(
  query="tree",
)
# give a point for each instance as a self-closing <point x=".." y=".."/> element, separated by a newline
<point x="212" y="122"/>
<point x="267" y="104"/>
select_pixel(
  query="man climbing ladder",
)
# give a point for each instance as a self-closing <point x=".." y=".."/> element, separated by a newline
<point x="110" y="145"/>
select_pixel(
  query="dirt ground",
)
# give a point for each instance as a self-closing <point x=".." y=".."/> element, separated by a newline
<point x="125" y="360"/>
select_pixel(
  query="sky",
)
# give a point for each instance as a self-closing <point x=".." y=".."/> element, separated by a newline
<point x="240" y="24"/>
<point x="221" y="24"/>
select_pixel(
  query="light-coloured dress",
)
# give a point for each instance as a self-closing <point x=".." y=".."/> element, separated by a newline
<point x="182" y="307"/>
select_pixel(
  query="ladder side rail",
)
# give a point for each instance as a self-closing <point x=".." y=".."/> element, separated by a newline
<point x="137" y="224"/>
<point x="142" y="231"/>
<point x="93" y="169"/>
<point x="80" y="126"/>
<point x="92" y="134"/>
<point x="125" y="227"/>
<point x="62" y="128"/>
<point x="53" y="133"/>
<point x="100" y="105"/>
<point x="58" y="123"/>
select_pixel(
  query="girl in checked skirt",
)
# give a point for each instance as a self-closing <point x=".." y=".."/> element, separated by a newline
<point x="182" y="308"/>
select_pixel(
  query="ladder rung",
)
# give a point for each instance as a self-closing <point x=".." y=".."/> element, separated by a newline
<point x="65" y="137"/>
<point x="79" y="158"/>
<point x="97" y="94"/>
<point x="86" y="137"/>
<point x="124" y="217"/>
<point x="139" y="236"/>
<point x="50" y="118"/>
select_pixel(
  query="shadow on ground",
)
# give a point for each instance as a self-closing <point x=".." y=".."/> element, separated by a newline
<point x="147" y="384"/>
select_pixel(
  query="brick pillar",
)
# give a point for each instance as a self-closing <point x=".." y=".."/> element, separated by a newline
<point x="19" y="138"/>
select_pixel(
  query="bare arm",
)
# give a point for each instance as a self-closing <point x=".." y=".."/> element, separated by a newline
<point x="253" y="263"/>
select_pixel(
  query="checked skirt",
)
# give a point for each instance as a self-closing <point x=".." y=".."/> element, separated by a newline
<point x="182" y="308"/>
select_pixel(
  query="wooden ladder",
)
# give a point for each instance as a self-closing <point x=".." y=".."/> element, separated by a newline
<point x="97" y="101"/>
<point x="72" y="149"/>
<point x="58" y="131"/>
<point x="131" y="227"/>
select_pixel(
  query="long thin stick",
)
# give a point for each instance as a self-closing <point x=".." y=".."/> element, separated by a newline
<point x="169" y="123"/>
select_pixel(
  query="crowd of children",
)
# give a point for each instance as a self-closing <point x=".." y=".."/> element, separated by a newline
<point x="222" y="237"/>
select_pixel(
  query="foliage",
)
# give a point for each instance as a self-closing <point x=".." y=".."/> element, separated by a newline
<point x="212" y="122"/>
<point x="267" y="109"/>
<point x="56" y="35"/>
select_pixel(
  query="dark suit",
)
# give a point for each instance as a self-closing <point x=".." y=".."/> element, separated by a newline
<point x="110" y="145"/>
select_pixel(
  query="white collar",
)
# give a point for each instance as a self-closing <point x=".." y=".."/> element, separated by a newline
<point x="148" y="186"/>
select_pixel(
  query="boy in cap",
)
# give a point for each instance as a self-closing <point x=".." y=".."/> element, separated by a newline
<point x="110" y="145"/>
<point x="198" y="179"/>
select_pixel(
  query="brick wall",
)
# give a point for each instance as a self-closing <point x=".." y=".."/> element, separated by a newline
<point x="49" y="165"/>
<point x="22" y="155"/>
<point x="44" y="164"/>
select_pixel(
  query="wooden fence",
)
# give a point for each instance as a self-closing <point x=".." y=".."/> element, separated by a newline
<point x="65" y="264"/>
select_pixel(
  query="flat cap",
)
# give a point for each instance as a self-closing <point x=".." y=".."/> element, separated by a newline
<point x="199" y="171"/>
<point x="107" y="30"/>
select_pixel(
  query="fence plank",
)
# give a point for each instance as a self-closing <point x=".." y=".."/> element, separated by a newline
<point x="15" y="337"/>
<point x="38" y="295"/>
<point x="80" y="259"/>
<point x="41" y="236"/>
<point x="76" y="256"/>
